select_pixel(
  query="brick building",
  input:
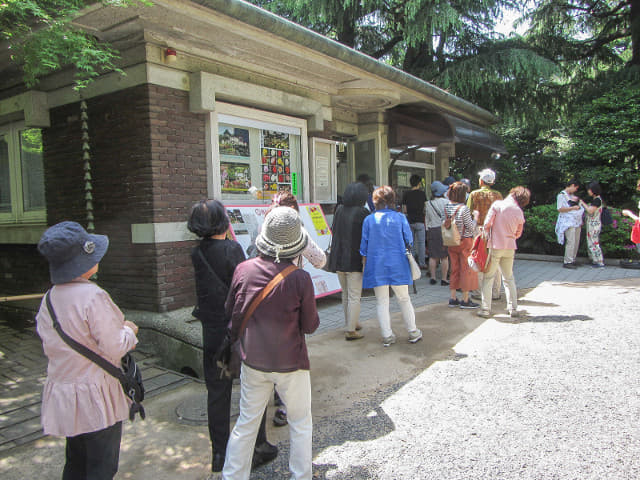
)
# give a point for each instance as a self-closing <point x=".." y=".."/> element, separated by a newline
<point x="218" y="95"/>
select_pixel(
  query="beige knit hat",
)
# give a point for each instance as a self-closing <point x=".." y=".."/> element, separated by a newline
<point x="282" y="235"/>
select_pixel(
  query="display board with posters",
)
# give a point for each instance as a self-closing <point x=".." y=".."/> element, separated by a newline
<point x="246" y="222"/>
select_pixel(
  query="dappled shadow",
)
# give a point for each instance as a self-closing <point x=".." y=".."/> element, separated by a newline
<point x="524" y="318"/>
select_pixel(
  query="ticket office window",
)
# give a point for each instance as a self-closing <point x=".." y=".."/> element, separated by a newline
<point x="258" y="161"/>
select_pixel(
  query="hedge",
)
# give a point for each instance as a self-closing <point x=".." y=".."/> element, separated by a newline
<point x="539" y="234"/>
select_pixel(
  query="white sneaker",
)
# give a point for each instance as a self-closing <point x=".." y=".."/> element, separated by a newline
<point x="415" y="335"/>
<point x="483" y="314"/>
<point x="388" y="341"/>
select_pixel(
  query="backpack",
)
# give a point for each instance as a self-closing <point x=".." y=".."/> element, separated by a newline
<point x="605" y="216"/>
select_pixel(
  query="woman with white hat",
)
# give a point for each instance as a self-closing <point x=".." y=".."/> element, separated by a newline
<point x="273" y="342"/>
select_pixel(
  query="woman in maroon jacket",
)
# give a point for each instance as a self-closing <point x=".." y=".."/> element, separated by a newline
<point x="273" y="343"/>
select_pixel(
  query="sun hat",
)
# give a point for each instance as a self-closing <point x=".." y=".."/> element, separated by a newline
<point x="282" y="235"/>
<point x="487" y="176"/>
<point x="71" y="251"/>
<point x="438" y="188"/>
<point x="448" y="181"/>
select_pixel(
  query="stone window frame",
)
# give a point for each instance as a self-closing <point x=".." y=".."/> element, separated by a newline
<point x="17" y="216"/>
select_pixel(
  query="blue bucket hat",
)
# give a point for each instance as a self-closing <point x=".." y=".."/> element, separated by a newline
<point x="438" y="188"/>
<point x="71" y="251"/>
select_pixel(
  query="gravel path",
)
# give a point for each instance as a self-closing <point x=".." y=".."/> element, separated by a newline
<point x="554" y="396"/>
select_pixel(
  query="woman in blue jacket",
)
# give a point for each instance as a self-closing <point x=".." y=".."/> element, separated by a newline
<point x="385" y="237"/>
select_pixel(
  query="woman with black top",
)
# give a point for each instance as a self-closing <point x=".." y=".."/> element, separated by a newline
<point x="593" y="212"/>
<point x="214" y="261"/>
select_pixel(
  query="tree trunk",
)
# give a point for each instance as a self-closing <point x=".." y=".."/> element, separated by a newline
<point x="635" y="32"/>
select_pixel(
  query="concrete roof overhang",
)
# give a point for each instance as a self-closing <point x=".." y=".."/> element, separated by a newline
<point x="242" y="41"/>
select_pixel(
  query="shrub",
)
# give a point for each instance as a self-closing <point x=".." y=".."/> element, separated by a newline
<point x="539" y="234"/>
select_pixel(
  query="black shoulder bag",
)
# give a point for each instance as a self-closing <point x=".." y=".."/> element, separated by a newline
<point x="230" y="353"/>
<point x="128" y="374"/>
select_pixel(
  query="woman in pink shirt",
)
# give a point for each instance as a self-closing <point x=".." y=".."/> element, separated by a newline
<point x="504" y="221"/>
<point x="80" y="400"/>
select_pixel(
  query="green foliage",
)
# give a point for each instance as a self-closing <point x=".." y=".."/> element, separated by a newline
<point x="615" y="240"/>
<point x="588" y="34"/>
<point x="43" y="39"/>
<point x="539" y="234"/>
<point x="605" y="135"/>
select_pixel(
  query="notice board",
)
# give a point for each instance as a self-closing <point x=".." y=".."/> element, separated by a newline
<point x="246" y="222"/>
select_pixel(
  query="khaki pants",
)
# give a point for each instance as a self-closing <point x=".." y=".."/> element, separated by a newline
<point x="501" y="259"/>
<point x="571" y="244"/>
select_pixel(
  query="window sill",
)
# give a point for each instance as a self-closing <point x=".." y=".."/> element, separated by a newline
<point x="20" y="233"/>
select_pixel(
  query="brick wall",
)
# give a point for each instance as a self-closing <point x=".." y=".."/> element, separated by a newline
<point x="148" y="164"/>
<point x="23" y="270"/>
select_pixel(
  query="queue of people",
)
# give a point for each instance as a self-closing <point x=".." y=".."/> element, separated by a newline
<point x="369" y="250"/>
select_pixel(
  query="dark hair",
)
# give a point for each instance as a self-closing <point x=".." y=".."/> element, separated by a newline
<point x="384" y="196"/>
<point x="285" y="198"/>
<point x="415" y="180"/>
<point x="595" y="188"/>
<point x="521" y="195"/>
<point x="457" y="192"/>
<point x="366" y="180"/>
<point x="572" y="181"/>
<point x="208" y="217"/>
<point x="355" y="195"/>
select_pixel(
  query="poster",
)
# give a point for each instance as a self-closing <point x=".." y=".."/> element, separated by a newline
<point x="235" y="177"/>
<point x="246" y="221"/>
<point x="275" y="161"/>
<point x="319" y="221"/>
<point x="233" y="141"/>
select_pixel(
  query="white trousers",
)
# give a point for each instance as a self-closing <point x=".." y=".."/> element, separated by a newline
<point x="382" y="301"/>
<point x="501" y="259"/>
<point x="351" y="284"/>
<point x="256" y="388"/>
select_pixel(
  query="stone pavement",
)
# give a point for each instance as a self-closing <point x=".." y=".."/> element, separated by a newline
<point x="23" y="365"/>
<point x="23" y="369"/>
<point x="529" y="273"/>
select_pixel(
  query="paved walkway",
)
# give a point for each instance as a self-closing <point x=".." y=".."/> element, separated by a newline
<point x="23" y="365"/>
<point x="528" y="274"/>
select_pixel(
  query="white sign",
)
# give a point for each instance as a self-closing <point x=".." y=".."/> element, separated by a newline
<point x="246" y="222"/>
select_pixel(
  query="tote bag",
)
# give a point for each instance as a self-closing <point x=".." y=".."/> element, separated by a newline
<point x="635" y="232"/>
<point x="450" y="232"/>
<point x="413" y="265"/>
<point x="480" y="254"/>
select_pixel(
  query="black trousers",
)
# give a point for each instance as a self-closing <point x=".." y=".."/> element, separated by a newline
<point x="219" y="394"/>
<point x="93" y="456"/>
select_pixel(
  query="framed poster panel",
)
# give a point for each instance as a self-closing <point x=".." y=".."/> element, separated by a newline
<point x="246" y="222"/>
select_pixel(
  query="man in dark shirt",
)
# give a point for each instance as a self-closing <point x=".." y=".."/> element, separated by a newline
<point x="273" y="343"/>
<point x="413" y="202"/>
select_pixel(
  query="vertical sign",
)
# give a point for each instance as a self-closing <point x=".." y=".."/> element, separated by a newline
<point x="294" y="183"/>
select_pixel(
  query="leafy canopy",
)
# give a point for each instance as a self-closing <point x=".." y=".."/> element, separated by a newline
<point x="43" y="39"/>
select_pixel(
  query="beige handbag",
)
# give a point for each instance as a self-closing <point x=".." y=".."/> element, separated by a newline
<point x="413" y="265"/>
<point x="450" y="232"/>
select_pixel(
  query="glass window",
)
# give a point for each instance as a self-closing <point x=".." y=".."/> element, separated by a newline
<point x="22" y="197"/>
<point x="255" y="163"/>
<point x="32" y="169"/>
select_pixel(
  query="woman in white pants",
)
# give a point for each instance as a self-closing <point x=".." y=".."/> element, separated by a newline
<point x="386" y="234"/>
